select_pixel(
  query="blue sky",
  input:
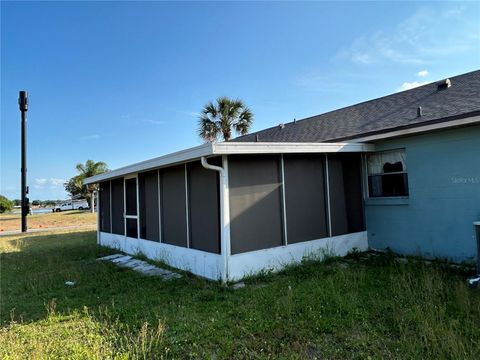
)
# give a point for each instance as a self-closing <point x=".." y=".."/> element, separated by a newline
<point x="122" y="82"/>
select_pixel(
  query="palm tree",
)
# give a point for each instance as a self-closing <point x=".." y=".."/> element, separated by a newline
<point x="219" y="119"/>
<point x="90" y="168"/>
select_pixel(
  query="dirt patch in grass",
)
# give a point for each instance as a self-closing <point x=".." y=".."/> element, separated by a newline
<point x="9" y="222"/>
<point x="372" y="308"/>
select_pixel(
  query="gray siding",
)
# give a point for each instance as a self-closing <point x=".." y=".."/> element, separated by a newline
<point x="255" y="203"/>
<point x="118" y="225"/>
<point x="149" y="206"/>
<point x="204" y="208"/>
<point x="305" y="197"/>
<point x="105" y="221"/>
<point x="173" y="206"/>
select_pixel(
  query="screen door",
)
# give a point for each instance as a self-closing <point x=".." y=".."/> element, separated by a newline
<point x="131" y="208"/>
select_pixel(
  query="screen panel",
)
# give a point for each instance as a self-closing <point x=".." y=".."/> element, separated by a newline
<point x="338" y="210"/>
<point x="105" y="221"/>
<point x="204" y="208"/>
<point x="255" y="202"/>
<point x="173" y="206"/>
<point x="118" y="225"/>
<point x="305" y="198"/>
<point x="131" y="196"/>
<point x="132" y="228"/>
<point x="148" y="188"/>
<point x="352" y="177"/>
<point x="346" y="200"/>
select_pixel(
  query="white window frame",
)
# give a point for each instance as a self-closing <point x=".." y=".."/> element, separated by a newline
<point x="367" y="174"/>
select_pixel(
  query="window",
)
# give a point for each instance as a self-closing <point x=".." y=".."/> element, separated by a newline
<point x="387" y="174"/>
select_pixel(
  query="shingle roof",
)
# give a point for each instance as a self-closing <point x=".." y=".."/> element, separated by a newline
<point x="392" y="112"/>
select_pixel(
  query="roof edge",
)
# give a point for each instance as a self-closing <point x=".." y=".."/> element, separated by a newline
<point x="168" y="159"/>
<point x="228" y="148"/>
<point x="465" y="119"/>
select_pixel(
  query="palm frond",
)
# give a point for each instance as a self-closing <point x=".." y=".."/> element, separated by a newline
<point x="244" y="121"/>
<point x="222" y="117"/>
<point x="208" y="129"/>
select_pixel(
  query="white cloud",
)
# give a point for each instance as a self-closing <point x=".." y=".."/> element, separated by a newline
<point x="154" y="122"/>
<point x="427" y="35"/>
<point x="411" y="85"/>
<point x="338" y="82"/>
<point x="422" y="73"/>
<point x="190" y="113"/>
<point x="57" y="182"/>
<point x="53" y="183"/>
<point x="90" y="137"/>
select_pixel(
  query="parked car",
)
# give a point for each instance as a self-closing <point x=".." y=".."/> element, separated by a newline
<point x="71" y="205"/>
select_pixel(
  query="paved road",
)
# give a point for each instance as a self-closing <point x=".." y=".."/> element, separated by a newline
<point x="15" y="232"/>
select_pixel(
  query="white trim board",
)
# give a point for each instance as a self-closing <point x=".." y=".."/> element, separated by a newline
<point x="230" y="148"/>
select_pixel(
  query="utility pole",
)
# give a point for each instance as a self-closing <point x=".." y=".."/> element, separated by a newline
<point x="23" y="105"/>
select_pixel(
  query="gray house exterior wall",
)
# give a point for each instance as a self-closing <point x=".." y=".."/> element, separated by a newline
<point x="435" y="220"/>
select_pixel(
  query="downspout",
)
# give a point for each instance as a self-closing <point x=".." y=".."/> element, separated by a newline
<point x="224" y="214"/>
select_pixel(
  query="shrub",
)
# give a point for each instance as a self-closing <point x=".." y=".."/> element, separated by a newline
<point x="5" y="204"/>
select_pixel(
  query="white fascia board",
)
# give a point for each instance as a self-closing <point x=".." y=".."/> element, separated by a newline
<point x="230" y="148"/>
<point x="421" y="129"/>
<point x="288" y="148"/>
<point x="169" y="159"/>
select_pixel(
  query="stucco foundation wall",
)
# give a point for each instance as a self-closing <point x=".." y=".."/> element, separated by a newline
<point x="197" y="262"/>
<point x="435" y="221"/>
<point x="274" y="259"/>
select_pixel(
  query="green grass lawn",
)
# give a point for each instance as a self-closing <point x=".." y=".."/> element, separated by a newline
<point x="370" y="308"/>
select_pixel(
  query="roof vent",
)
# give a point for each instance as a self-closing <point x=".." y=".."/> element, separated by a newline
<point x="256" y="138"/>
<point x="419" y="111"/>
<point x="294" y="120"/>
<point x="281" y="126"/>
<point x="444" y="84"/>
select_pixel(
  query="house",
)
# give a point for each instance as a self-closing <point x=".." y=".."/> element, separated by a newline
<point x="399" y="172"/>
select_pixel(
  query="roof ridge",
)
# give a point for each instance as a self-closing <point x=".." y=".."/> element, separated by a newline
<point x="362" y="103"/>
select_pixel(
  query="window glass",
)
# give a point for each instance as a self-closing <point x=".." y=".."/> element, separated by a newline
<point x="387" y="174"/>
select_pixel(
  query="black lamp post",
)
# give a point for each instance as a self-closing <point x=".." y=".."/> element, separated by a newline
<point x="23" y="105"/>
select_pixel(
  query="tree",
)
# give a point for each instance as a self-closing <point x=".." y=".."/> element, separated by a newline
<point x="75" y="186"/>
<point x="218" y="120"/>
<point x="5" y="204"/>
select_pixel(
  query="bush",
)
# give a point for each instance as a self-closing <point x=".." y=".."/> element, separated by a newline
<point x="5" y="204"/>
